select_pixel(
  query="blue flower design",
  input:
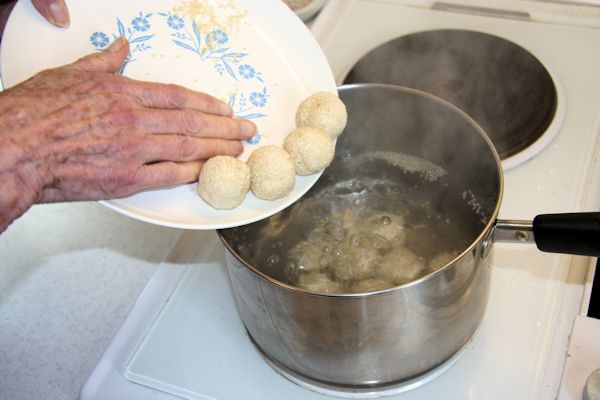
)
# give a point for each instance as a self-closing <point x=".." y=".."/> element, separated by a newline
<point x="99" y="39"/>
<point x="219" y="36"/>
<point x="241" y="108"/>
<point x="175" y="22"/>
<point x="137" y="42"/>
<point x="211" y="48"/>
<point x="246" y="71"/>
<point x="255" y="139"/>
<point x="259" y="99"/>
<point x="140" y="23"/>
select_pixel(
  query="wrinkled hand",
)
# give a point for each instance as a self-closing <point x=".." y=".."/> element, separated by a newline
<point x="81" y="132"/>
<point x="55" y="11"/>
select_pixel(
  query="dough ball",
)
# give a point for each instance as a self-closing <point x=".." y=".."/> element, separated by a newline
<point x="388" y="225"/>
<point x="306" y="256"/>
<point x="272" y="171"/>
<point x="441" y="259"/>
<point x="325" y="111"/>
<point x="224" y="182"/>
<point x="372" y="285"/>
<point x="401" y="266"/>
<point x="319" y="282"/>
<point x="311" y="149"/>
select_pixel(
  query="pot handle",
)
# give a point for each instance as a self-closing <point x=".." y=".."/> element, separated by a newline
<point x="571" y="233"/>
<point x="574" y="233"/>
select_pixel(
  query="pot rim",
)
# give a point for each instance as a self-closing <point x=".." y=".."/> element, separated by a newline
<point x="484" y="234"/>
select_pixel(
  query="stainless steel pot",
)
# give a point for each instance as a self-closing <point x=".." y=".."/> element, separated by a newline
<point x="362" y="341"/>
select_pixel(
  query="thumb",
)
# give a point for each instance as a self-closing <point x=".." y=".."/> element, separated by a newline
<point x="55" y="11"/>
<point x="107" y="61"/>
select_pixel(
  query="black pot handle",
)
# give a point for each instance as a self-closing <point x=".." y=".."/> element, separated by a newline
<point x="574" y="233"/>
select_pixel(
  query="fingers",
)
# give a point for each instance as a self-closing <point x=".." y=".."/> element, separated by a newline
<point x="95" y="185"/>
<point x="167" y="173"/>
<point x="185" y="148"/>
<point x="55" y="11"/>
<point x="107" y="61"/>
<point x="194" y="123"/>
<point x="148" y="94"/>
<point x="158" y="95"/>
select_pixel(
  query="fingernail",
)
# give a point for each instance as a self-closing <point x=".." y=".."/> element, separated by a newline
<point x="60" y="13"/>
<point x="224" y="109"/>
<point x="116" y="45"/>
<point x="248" y="129"/>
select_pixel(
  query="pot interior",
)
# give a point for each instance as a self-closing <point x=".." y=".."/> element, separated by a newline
<point x="414" y="183"/>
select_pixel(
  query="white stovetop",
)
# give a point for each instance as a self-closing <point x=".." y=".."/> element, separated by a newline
<point x="196" y="347"/>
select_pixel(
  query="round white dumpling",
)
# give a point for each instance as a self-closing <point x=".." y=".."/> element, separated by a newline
<point x="319" y="282"/>
<point x="372" y="285"/>
<point x="311" y="149"/>
<point x="224" y="182"/>
<point x="323" y="110"/>
<point x="441" y="259"/>
<point x="272" y="172"/>
<point x="401" y="266"/>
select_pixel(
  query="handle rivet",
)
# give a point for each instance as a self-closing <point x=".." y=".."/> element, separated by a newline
<point x="521" y="236"/>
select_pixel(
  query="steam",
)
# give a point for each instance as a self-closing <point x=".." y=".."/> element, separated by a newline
<point x="503" y="87"/>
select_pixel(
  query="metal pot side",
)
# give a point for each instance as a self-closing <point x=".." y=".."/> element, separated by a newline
<point x="374" y="340"/>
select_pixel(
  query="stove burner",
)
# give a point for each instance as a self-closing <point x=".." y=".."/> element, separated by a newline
<point x="502" y="86"/>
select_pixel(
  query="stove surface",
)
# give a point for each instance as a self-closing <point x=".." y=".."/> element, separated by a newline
<point x="184" y="337"/>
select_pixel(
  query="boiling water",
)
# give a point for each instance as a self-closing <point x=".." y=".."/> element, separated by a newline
<point x="354" y="236"/>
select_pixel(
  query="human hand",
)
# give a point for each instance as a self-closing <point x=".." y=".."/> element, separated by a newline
<point x="55" y="11"/>
<point x="81" y="132"/>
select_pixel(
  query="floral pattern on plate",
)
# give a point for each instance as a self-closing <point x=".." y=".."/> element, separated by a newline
<point x="212" y="47"/>
<point x="134" y="33"/>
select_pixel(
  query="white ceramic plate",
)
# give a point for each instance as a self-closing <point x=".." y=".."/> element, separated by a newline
<point x="256" y="55"/>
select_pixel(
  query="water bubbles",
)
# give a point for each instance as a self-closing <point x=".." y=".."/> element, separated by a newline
<point x="272" y="259"/>
<point x="347" y="157"/>
<point x="356" y="186"/>
<point x="301" y="267"/>
<point x="353" y="236"/>
<point x="338" y="253"/>
<point x="361" y="240"/>
<point x="335" y="230"/>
